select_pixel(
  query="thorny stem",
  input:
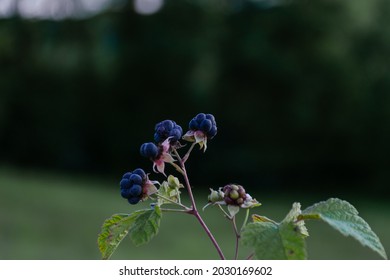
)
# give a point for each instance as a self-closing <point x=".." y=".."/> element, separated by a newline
<point x="194" y="211"/>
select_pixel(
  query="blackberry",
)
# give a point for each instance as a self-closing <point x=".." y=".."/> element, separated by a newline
<point x="205" y="123"/>
<point x="126" y="175"/>
<point x="135" y="190"/>
<point x="135" y="179"/>
<point x="133" y="200"/>
<point x="140" y="172"/>
<point x="132" y="185"/>
<point x="234" y="194"/>
<point x="125" y="183"/>
<point x="149" y="150"/>
<point x="166" y="129"/>
<point x="125" y="193"/>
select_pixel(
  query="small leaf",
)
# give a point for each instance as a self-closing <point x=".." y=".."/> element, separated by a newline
<point x="342" y="216"/>
<point x="142" y="226"/>
<point x="114" y="230"/>
<point x="295" y="211"/>
<point x="277" y="241"/>
<point x="233" y="210"/>
<point x="258" y="218"/>
<point x="293" y="217"/>
<point x="170" y="194"/>
<point x="145" y="226"/>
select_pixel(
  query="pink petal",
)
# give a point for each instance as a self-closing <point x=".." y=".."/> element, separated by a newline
<point x="199" y="136"/>
<point x="165" y="145"/>
<point x="165" y="157"/>
<point x="149" y="188"/>
<point x="159" y="166"/>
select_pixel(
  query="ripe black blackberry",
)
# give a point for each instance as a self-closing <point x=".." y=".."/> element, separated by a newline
<point x="166" y="129"/>
<point x="132" y="184"/>
<point x="205" y="123"/>
<point x="149" y="150"/>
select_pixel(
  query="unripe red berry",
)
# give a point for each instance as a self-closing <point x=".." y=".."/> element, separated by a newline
<point x="234" y="194"/>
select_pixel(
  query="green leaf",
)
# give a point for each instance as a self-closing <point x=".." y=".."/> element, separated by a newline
<point x="142" y="226"/>
<point x="342" y="216"/>
<point x="277" y="241"/>
<point x="258" y="218"/>
<point x="145" y="226"/>
<point x="292" y="218"/>
<point x="169" y="193"/>
<point x="114" y="230"/>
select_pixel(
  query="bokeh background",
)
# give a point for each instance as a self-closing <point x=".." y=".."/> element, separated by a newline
<point x="300" y="91"/>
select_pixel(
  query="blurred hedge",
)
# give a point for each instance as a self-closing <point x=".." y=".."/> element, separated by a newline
<point x="300" y="91"/>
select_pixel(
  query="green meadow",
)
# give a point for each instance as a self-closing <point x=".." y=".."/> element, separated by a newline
<point x="47" y="216"/>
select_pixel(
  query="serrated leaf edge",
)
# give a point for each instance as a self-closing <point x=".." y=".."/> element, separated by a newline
<point x="353" y="211"/>
<point x="105" y="234"/>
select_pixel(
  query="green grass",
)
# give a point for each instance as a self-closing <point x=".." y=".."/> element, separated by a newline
<point x="45" y="216"/>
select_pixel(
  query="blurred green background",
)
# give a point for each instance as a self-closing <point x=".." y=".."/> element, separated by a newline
<point x="300" y="91"/>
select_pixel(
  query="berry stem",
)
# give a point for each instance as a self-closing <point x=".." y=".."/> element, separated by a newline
<point x="177" y="168"/>
<point x="236" y="232"/>
<point x="245" y="220"/>
<point x="224" y="212"/>
<point x="187" y="155"/>
<point x="187" y="181"/>
<point x="210" y="235"/>
<point x="237" y="237"/>
<point x="173" y="210"/>
<point x="174" y="202"/>
<point x="250" y="256"/>
<point x="194" y="210"/>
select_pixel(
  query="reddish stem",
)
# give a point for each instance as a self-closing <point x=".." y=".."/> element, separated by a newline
<point x="194" y="211"/>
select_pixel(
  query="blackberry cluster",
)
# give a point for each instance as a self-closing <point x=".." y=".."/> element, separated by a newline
<point x="234" y="194"/>
<point x="149" y="150"/>
<point x="166" y="129"/>
<point x="132" y="185"/>
<point x="205" y="123"/>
